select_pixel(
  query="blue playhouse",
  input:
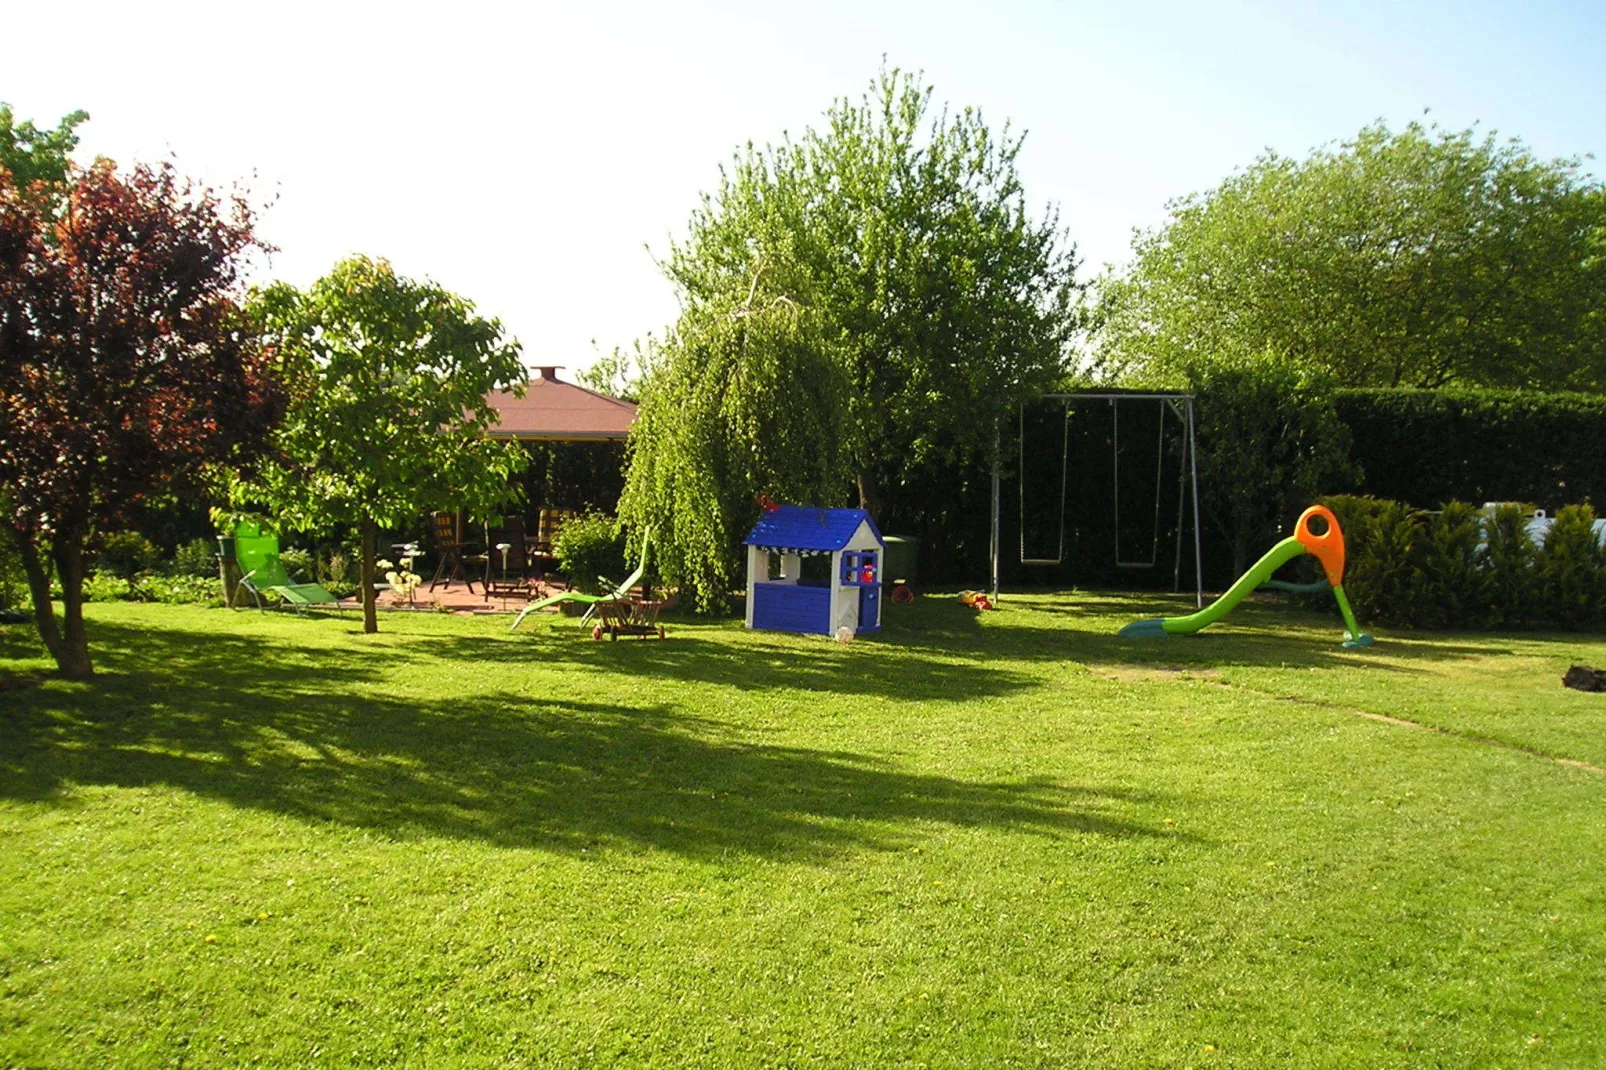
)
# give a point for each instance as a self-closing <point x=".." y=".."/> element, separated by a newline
<point x="779" y="598"/>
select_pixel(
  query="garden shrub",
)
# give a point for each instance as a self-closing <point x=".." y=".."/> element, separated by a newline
<point x="589" y="546"/>
<point x="13" y="581"/>
<point x="337" y="572"/>
<point x="1569" y="568"/>
<point x="299" y="563"/>
<point x="126" y="554"/>
<point x="1453" y="589"/>
<point x="198" y="557"/>
<point x="106" y="587"/>
<point x="1464" y="567"/>
<point x="1510" y="555"/>
<point x="1383" y="578"/>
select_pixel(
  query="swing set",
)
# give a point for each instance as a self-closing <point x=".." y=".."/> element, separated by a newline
<point x="1181" y="405"/>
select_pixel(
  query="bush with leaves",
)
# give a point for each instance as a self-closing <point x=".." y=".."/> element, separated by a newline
<point x="1570" y="569"/>
<point x="590" y="546"/>
<point x="1453" y="584"/>
<point x="1510" y="556"/>
<point x="198" y="557"/>
<point x="127" y="554"/>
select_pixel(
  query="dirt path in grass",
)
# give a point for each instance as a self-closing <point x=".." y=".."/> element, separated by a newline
<point x="1209" y="677"/>
<point x="1401" y="722"/>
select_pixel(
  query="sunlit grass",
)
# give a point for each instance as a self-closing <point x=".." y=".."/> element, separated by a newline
<point x="998" y="840"/>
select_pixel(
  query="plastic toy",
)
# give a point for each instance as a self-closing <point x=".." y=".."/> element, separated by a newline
<point x="1327" y="547"/>
<point x="976" y="600"/>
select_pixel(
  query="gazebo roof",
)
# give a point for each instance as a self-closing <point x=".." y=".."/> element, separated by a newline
<point x="555" y="411"/>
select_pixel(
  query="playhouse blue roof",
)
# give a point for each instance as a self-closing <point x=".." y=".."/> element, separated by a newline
<point x="804" y="527"/>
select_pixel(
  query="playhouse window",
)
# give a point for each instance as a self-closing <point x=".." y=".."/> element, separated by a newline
<point x="817" y="570"/>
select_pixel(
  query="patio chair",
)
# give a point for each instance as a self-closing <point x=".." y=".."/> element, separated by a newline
<point x="507" y="574"/>
<point x="261" y="571"/>
<point x="453" y="553"/>
<point x="616" y="593"/>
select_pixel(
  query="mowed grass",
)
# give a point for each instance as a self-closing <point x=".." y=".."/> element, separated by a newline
<point x="979" y="841"/>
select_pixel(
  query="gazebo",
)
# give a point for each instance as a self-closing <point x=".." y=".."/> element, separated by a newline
<point x="554" y="411"/>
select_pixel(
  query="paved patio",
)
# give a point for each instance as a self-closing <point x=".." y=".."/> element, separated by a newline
<point x="455" y="597"/>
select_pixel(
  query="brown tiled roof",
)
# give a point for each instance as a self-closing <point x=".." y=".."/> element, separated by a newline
<point x="555" y="411"/>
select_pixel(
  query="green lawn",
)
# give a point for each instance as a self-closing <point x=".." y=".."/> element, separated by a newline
<point x="981" y="841"/>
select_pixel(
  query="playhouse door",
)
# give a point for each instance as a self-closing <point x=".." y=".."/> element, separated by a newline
<point x="847" y="612"/>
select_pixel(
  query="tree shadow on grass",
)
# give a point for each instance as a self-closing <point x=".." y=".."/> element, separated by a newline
<point x="212" y="715"/>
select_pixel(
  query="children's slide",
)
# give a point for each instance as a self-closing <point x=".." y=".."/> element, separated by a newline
<point x="1327" y="547"/>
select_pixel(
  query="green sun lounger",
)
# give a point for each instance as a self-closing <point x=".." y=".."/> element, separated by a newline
<point x="261" y="571"/>
<point x="621" y="591"/>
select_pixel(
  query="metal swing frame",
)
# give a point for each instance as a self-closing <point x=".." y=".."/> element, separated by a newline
<point x="1065" y="456"/>
<point x="1187" y="479"/>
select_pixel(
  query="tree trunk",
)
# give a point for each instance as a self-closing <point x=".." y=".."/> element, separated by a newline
<point x="73" y="660"/>
<point x="869" y="495"/>
<point x="44" y="614"/>
<point x="370" y="617"/>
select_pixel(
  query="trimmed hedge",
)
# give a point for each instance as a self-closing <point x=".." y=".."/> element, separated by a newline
<point x="1466" y="569"/>
<point x="1428" y="447"/>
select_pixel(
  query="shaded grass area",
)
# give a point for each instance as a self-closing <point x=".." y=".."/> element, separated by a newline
<point x="1003" y="840"/>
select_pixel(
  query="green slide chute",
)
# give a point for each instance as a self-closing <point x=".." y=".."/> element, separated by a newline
<point x="1258" y="573"/>
<point x="1327" y="545"/>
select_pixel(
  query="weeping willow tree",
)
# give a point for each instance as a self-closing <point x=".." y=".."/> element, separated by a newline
<point x="870" y="295"/>
<point x="746" y="401"/>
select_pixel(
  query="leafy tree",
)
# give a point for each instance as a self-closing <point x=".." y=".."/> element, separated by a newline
<point x="387" y="379"/>
<point x="32" y="155"/>
<point x="896" y="247"/>
<point x="125" y="364"/>
<point x="745" y="401"/>
<point x="1418" y="258"/>
<point x="1270" y="441"/>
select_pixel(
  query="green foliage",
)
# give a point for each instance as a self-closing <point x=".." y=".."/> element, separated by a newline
<point x="1466" y="568"/>
<point x="1572" y="581"/>
<point x="1510" y="554"/>
<point x="619" y="374"/>
<point x="299" y="563"/>
<point x="1269" y="443"/>
<point x="388" y="378"/>
<point x="13" y="581"/>
<point x="879" y="280"/>
<point x="198" y="557"/>
<point x="107" y="587"/>
<point x="1453" y="586"/>
<point x="1417" y="258"/>
<point x="746" y="401"/>
<point x="1427" y="447"/>
<point x="33" y="155"/>
<point x="1383" y="580"/>
<point x="179" y="590"/>
<point x="126" y="554"/>
<point x="589" y="546"/>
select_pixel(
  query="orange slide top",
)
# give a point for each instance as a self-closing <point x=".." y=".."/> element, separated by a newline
<point x="1328" y="547"/>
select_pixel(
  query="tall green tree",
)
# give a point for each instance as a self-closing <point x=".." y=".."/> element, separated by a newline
<point x="901" y="238"/>
<point x="387" y="416"/>
<point x="1417" y="258"/>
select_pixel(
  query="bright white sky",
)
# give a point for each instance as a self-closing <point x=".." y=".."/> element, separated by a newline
<point x="529" y="156"/>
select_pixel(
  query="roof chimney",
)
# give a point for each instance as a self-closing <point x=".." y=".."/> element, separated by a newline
<point x="549" y="372"/>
